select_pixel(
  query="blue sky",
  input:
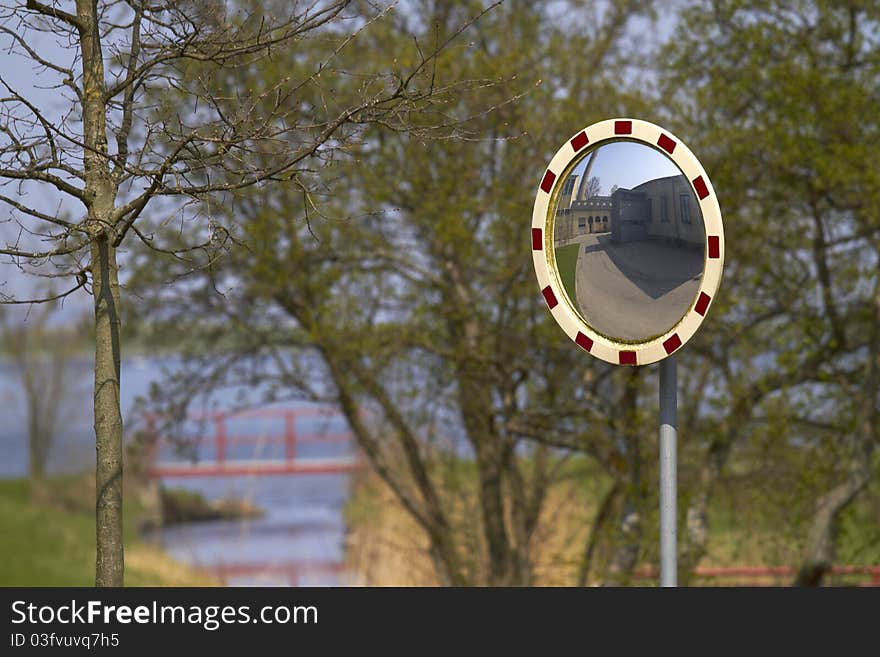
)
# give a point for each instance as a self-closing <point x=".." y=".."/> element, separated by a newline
<point x="36" y="84"/>
<point x="627" y="164"/>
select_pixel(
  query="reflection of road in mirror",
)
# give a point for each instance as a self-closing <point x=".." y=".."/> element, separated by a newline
<point x="634" y="290"/>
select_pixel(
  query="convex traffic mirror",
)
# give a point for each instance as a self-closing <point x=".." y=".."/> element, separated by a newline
<point x="627" y="241"/>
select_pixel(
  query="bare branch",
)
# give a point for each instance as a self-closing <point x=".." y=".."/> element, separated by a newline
<point x="66" y="72"/>
<point x="37" y="214"/>
<point x="54" y="12"/>
<point x="128" y="103"/>
<point x="81" y="282"/>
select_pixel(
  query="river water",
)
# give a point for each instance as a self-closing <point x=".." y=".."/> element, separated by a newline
<point x="298" y="540"/>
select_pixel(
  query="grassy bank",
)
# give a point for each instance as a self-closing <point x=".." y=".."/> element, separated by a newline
<point x="184" y="506"/>
<point x="566" y="262"/>
<point x="48" y="538"/>
<point x="752" y="523"/>
<point x="385" y="546"/>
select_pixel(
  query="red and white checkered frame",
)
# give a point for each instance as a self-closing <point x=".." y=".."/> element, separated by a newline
<point x="625" y="353"/>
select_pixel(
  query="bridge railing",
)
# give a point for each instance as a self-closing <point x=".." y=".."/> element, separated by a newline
<point x="286" y="430"/>
<point x="292" y="574"/>
<point x="772" y="575"/>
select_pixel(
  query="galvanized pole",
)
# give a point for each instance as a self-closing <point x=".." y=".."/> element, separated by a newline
<point x="668" y="438"/>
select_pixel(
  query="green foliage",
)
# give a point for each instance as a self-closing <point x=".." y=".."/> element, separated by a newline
<point x="399" y="270"/>
<point x="398" y="278"/>
<point x="780" y="100"/>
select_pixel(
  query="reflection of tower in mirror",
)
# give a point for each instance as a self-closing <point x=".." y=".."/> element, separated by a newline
<point x="629" y="241"/>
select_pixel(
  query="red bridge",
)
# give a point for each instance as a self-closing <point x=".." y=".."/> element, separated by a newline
<point x="227" y="458"/>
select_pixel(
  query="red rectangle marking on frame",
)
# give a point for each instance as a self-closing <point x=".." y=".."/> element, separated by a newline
<point x="583" y="341"/>
<point x="623" y="127"/>
<point x="547" y="182"/>
<point x="579" y="141"/>
<point x="700" y="187"/>
<point x="702" y="303"/>
<point x="537" y="239"/>
<point x="714" y="246"/>
<point x="627" y="358"/>
<point x="549" y="297"/>
<point x="673" y="343"/>
<point x="666" y="143"/>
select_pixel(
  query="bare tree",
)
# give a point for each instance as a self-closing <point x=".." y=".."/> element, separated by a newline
<point x="153" y="100"/>
<point x="42" y="361"/>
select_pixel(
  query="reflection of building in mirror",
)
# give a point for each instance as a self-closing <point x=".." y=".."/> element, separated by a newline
<point x="663" y="208"/>
<point x="580" y="214"/>
<point x="660" y="209"/>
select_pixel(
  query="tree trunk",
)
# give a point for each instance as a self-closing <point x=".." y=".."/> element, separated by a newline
<point x="108" y="418"/>
<point x="628" y="544"/>
<point x="36" y="455"/>
<point x="629" y="535"/>
<point x="476" y="408"/>
<point x="100" y="194"/>
<point x="599" y="522"/>
<point x="819" y="553"/>
<point x="696" y="530"/>
<point x="444" y="565"/>
<point x="491" y="497"/>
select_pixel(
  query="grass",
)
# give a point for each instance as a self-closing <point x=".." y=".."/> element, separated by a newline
<point x="566" y="262"/>
<point x="47" y="538"/>
<point x="385" y="547"/>
<point x="750" y="525"/>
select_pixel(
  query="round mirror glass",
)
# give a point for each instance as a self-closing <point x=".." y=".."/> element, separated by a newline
<point x="628" y="240"/>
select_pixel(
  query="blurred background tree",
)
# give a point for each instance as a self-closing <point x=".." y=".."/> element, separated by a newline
<point x="42" y="356"/>
<point x="388" y="274"/>
<point x="402" y="290"/>
<point x="780" y="100"/>
<point x="401" y="285"/>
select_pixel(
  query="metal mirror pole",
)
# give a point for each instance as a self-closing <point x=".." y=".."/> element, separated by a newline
<point x="668" y="474"/>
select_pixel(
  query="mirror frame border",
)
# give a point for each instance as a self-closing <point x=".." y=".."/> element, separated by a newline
<point x="568" y="318"/>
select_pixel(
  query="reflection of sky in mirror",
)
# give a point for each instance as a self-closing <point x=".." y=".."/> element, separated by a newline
<point x="627" y="164"/>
